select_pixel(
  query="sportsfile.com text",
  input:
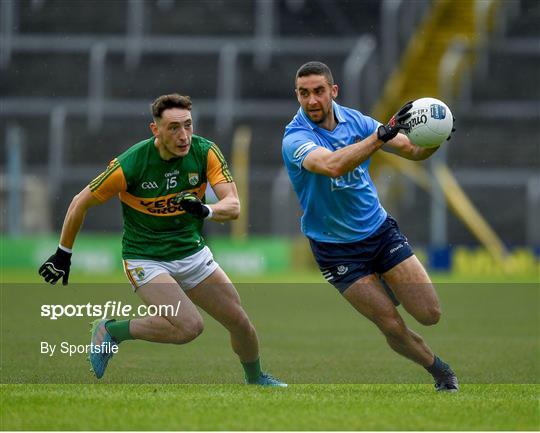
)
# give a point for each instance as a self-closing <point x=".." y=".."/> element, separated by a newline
<point x="109" y="309"/>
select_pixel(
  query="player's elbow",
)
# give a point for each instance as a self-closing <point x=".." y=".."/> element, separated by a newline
<point x="327" y="165"/>
<point x="82" y="201"/>
<point x="335" y="170"/>
<point x="78" y="204"/>
<point x="338" y="168"/>
<point x="76" y="201"/>
<point x="340" y="171"/>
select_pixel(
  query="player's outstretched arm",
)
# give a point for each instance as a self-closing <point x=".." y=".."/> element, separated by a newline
<point x="57" y="266"/>
<point x="402" y="146"/>
<point x="341" y="161"/>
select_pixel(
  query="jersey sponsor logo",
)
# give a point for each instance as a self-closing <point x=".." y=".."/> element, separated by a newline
<point x="303" y="149"/>
<point x="349" y="180"/>
<point x="193" y="178"/>
<point x="164" y="206"/>
<point x="159" y="206"/>
<point x="149" y="185"/>
<point x="172" y="173"/>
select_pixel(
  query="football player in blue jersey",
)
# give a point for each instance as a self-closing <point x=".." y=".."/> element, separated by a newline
<point x="357" y="245"/>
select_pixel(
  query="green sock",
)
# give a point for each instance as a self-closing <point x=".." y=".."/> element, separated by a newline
<point x="252" y="370"/>
<point x="119" y="330"/>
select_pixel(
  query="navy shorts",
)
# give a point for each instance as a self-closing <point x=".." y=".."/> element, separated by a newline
<point x="343" y="264"/>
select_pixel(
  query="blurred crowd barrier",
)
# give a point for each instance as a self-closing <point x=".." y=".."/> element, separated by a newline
<point x="255" y="256"/>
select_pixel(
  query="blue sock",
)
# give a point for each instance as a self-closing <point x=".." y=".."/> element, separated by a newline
<point x="438" y="368"/>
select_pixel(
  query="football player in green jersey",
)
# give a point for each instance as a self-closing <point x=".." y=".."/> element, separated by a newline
<point x="161" y="183"/>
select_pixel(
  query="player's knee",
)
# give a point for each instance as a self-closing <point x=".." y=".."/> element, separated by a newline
<point x="188" y="332"/>
<point x="393" y="327"/>
<point x="195" y="329"/>
<point x="430" y="316"/>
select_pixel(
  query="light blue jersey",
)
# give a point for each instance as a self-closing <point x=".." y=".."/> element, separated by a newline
<point x="343" y="209"/>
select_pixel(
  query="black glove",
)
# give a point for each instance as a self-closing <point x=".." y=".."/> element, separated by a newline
<point x="56" y="267"/>
<point x="453" y="128"/>
<point x="396" y="122"/>
<point x="192" y="204"/>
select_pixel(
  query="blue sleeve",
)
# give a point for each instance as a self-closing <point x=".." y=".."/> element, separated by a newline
<point x="296" y="146"/>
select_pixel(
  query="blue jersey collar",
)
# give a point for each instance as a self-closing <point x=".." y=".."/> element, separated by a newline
<point x="338" y="112"/>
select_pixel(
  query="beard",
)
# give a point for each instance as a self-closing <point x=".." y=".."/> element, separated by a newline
<point x="320" y="117"/>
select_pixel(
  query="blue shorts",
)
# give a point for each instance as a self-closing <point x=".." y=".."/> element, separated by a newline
<point x="343" y="264"/>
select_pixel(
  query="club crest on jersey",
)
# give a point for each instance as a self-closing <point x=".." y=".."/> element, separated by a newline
<point x="193" y="178"/>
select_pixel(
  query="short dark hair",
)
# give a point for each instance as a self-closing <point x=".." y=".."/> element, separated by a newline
<point x="164" y="102"/>
<point x="315" y="68"/>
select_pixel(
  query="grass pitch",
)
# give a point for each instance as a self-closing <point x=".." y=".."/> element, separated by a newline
<point x="342" y="375"/>
<point x="237" y="407"/>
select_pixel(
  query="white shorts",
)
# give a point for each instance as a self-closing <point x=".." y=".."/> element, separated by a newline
<point x="188" y="272"/>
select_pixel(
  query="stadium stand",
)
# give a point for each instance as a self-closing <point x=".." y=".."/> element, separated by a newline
<point x="497" y="154"/>
<point x="85" y="72"/>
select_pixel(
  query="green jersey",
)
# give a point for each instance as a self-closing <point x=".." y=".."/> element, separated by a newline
<point x="155" y="228"/>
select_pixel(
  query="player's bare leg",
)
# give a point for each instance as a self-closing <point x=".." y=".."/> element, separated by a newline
<point x="367" y="295"/>
<point x="218" y="297"/>
<point x="178" y="329"/>
<point x="181" y="327"/>
<point x="412" y="286"/>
